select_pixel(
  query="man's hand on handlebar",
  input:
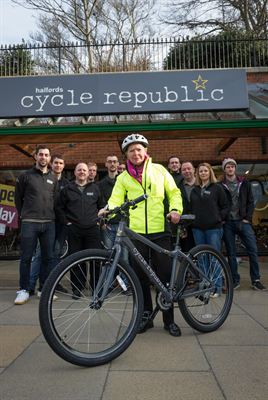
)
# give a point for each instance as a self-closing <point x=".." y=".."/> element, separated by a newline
<point x="102" y="212"/>
<point x="174" y="217"/>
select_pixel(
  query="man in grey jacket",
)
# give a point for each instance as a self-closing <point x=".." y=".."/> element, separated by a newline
<point x="34" y="198"/>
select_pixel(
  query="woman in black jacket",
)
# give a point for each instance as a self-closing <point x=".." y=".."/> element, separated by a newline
<point x="209" y="204"/>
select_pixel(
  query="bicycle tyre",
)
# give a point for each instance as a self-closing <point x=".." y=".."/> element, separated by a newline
<point x="79" y="332"/>
<point x="208" y="312"/>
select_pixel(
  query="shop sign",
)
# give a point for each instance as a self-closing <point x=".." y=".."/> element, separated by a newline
<point x="124" y="93"/>
<point x="8" y="211"/>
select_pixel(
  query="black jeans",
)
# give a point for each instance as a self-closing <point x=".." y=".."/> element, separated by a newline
<point x="81" y="239"/>
<point x="161" y="264"/>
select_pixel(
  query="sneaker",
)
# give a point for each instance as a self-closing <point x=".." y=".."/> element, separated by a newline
<point x="22" y="297"/>
<point x="214" y="295"/>
<point x="236" y="285"/>
<point x="39" y="294"/>
<point x="257" y="285"/>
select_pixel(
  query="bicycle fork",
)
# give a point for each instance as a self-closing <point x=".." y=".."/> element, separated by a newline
<point x="106" y="277"/>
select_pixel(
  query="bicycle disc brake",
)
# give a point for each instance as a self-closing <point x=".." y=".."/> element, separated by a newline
<point x="163" y="304"/>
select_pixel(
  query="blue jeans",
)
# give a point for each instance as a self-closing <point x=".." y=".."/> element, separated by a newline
<point x="36" y="260"/>
<point x="35" y="267"/>
<point x="108" y="236"/>
<point x="212" y="237"/>
<point x="31" y="232"/>
<point x="245" y="232"/>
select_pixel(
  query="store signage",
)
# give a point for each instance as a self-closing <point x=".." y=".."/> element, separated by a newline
<point x="125" y="93"/>
<point x="8" y="211"/>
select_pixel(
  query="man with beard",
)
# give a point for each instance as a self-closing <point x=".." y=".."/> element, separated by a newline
<point x="34" y="198"/>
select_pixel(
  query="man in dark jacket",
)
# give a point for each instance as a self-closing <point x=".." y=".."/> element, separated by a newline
<point x="174" y="166"/>
<point x="241" y="203"/>
<point x="186" y="185"/>
<point x="57" y="166"/>
<point x="34" y="198"/>
<point x="77" y="208"/>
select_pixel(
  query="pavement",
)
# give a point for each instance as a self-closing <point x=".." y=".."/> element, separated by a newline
<point x="231" y="363"/>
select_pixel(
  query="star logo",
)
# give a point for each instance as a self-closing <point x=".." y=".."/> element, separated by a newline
<point x="200" y="83"/>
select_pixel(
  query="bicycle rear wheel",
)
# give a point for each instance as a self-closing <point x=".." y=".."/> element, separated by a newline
<point x="205" y="312"/>
<point x="79" y="330"/>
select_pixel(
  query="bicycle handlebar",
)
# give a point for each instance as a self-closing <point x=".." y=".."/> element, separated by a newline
<point x="127" y="204"/>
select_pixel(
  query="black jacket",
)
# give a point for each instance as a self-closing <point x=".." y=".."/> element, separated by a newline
<point x="185" y="202"/>
<point x="245" y="198"/>
<point x="211" y="208"/>
<point x="177" y="178"/>
<point x="79" y="208"/>
<point x="106" y="186"/>
<point x="35" y="195"/>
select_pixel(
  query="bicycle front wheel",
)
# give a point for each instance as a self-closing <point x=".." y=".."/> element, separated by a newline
<point x="80" y="329"/>
<point x="207" y="310"/>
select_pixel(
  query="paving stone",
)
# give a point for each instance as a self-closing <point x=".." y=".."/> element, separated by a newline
<point x="156" y="350"/>
<point x="41" y="374"/>
<point x="237" y="330"/>
<point x="14" y="340"/>
<point x="161" y="385"/>
<point x="242" y="372"/>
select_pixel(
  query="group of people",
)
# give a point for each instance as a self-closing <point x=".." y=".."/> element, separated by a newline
<point x="223" y="210"/>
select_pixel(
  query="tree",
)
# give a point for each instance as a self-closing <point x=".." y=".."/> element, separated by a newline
<point x="225" y="50"/>
<point x="93" y="23"/>
<point x="15" y="61"/>
<point x="204" y="17"/>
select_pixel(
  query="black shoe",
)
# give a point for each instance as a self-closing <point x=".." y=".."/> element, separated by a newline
<point x="146" y="323"/>
<point x="257" y="285"/>
<point x="173" y="329"/>
<point x="236" y="285"/>
<point x="31" y="292"/>
<point x="76" y="295"/>
<point x="61" y="289"/>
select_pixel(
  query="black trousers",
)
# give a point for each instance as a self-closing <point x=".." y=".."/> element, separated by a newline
<point x="161" y="264"/>
<point x="81" y="239"/>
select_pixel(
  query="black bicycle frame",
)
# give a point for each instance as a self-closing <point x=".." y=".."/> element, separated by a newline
<point x="122" y="239"/>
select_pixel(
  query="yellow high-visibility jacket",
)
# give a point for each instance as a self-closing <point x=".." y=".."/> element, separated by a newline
<point x="149" y="215"/>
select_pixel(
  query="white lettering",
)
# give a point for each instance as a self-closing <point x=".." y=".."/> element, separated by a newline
<point x="170" y="93"/>
<point x="213" y="94"/>
<point x="108" y="95"/>
<point x="22" y="102"/>
<point x="72" y="99"/>
<point x="60" y="96"/>
<point x="159" y="100"/>
<point x="42" y="103"/>
<point x="125" y="97"/>
<point x="86" y="98"/>
<point x="186" y="99"/>
<point x="140" y="98"/>
<point x="7" y="216"/>
<point x="201" y="98"/>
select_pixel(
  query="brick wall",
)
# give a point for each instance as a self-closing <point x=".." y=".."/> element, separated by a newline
<point x="243" y="150"/>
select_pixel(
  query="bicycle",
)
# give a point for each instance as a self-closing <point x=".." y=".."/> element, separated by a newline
<point x="102" y="321"/>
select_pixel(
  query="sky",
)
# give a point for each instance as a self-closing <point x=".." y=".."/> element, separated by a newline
<point x="16" y="23"/>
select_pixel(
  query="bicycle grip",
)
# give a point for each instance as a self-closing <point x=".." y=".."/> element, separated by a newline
<point x="138" y="199"/>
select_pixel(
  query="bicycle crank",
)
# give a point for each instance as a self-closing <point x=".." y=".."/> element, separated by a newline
<point x="162" y="303"/>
